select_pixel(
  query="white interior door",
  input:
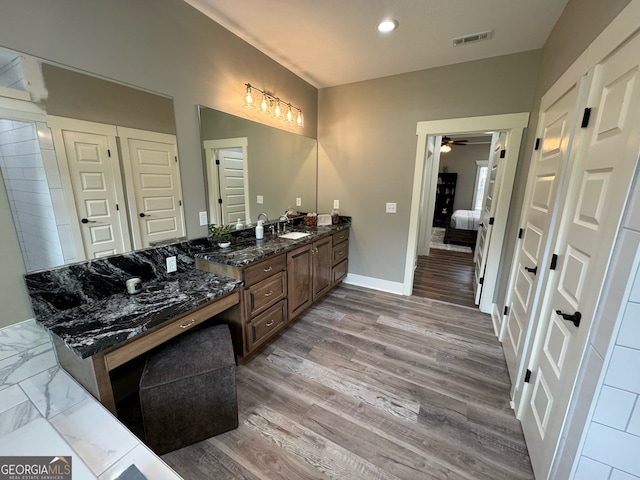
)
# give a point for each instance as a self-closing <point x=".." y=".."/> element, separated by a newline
<point x="94" y="171"/>
<point x="595" y="198"/>
<point x="425" y="229"/>
<point x="231" y="177"/>
<point x="153" y="186"/>
<point x="225" y="205"/>
<point x="489" y="203"/>
<point x="556" y="126"/>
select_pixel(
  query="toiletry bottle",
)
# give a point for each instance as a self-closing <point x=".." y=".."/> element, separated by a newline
<point x="239" y="225"/>
<point x="259" y="230"/>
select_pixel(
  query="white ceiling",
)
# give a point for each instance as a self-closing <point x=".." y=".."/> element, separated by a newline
<point x="333" y="42"/>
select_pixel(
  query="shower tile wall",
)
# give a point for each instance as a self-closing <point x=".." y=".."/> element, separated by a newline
<point x="29" y="196"/>
<point x="11" y="75"/>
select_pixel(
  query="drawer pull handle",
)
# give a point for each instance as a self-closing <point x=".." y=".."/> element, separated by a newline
<point x="187" y="325"/>
<point x="267" y="269"/>
<point x="269" y="293"/>
<point x="268" y="324"/>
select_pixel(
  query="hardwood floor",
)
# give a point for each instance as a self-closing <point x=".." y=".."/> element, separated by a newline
<point x="369" y="385"/>
<point x="446" y="276"/>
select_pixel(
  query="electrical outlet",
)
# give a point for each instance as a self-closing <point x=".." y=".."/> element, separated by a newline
<point x="172" y="264"/>
<point x="391" y="207"/>
<point x="260" y="199"/>
<point x="336" y="204"/>
<point x="298" y="201"/>
<point x="203" y="219"/>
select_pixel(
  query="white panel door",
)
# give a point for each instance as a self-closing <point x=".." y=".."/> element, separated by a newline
<point x="97" y="191"/>
<point x="600" y="181"/>
<point x="489" y="203"/>
<point x="231" y="177"/>
<point x="557" y="124"/>
<point x="153" y="186"/>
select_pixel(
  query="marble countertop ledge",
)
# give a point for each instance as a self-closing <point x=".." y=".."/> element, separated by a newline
<point x="246" y="249"/>
<point x="97" y="325"/>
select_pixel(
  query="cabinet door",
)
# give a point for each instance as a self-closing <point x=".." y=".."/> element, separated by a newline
<point x="322" y="263"/>
<point x="299" y="270"/>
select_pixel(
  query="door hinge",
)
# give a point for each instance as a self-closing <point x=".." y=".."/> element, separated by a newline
<point x="117" y="207"/>
<point x="585" y="117"/>
<point x="491" y="220"/>
<point x="108" y="153"/>
<point x="481" y="281"/>
<point x="217" y="162"/>
<point x="527" y="376"/>
<point x="554" y="262"/>
<point x="180" y="202"/>
<point x="537" y="147"/>
<point x="176" y="158"/>
<point x="220" y="200"/>
<point x="506" y="310"/>
<point x="520" y="233"/>
<point x="503" y="153"/>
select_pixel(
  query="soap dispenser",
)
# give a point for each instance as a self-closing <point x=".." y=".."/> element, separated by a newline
<point x="239" y="225"/>
<point x="259" y="230"/>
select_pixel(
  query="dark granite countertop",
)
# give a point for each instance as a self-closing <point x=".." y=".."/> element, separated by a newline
<point x="246" y="249"/>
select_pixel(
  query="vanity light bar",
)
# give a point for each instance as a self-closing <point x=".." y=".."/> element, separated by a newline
<point x="267" y="104"/>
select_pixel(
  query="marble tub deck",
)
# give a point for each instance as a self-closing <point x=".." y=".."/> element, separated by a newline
<point x="44" y="411"/>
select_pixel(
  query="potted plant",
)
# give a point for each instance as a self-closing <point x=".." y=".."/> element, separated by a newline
<point x="221" y="234"/>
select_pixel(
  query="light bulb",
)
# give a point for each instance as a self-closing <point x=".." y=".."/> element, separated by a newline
<point x="445" y="149"/>
<point x="289" y="116"/>
<point x="248" y="99"/>
<point x="300" y="119"/>
<point x="387" y="26"/>
<point x="264" y="105"/>
<point x="277" y="111"/>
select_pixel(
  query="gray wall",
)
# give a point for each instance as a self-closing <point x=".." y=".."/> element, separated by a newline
<point x="163" y="46"/>
<point x="367" y="144"/>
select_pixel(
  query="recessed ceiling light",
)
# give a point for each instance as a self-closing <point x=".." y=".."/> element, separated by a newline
<point x="388" y="25"/>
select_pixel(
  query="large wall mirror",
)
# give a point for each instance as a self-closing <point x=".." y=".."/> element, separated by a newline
<point x="56" y="125"/>
<point x="252" y="168"/>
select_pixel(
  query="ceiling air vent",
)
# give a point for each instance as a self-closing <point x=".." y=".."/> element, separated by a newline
<point x="476" y="37"/>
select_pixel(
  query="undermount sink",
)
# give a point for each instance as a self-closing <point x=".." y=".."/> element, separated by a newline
<point x="294" y="235"/>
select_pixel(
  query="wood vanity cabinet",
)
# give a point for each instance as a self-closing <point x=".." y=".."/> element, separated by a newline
<point x="309" y="274"/>
<point x="340" y="256"/>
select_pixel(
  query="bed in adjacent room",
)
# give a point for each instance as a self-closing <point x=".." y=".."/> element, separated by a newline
<point x="463" y="227"/>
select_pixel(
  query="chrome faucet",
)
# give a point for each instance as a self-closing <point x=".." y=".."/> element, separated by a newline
<point x="266" y="219"/>
<point x="283" y="218"/>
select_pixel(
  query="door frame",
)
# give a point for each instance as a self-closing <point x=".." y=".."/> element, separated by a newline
<point x="514" y="124"/>
<point x="212" y="173"/>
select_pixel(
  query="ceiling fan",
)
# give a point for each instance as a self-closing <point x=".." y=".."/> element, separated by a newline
<point x="447" y="142"/>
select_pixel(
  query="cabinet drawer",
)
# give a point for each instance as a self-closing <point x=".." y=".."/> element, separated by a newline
<point x="341" y="236"/>
<point x="340" y="252"/>
<point x="339" y="271"/>
<point x="265" y="325"/>
<point x="254" y="273"/>
<point x="267" y="292"/>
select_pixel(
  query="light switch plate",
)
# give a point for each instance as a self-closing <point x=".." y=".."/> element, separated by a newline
<point x="172" y="265"/>
<point x="336" y="204"/>
<point x="391" y="207"/>
<point x="260" y="199"/>
<point x="203" y="219"/>
<point x="298" y="201"/>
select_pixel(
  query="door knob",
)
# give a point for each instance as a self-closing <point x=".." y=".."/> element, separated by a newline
<point x="575" y="318"/>
<point x="86" y="220"/>
<point x="142" y="215"/>
<point x="533" y="270"/>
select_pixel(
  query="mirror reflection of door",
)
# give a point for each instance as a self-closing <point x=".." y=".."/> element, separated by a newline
<point x="227" y="173"/>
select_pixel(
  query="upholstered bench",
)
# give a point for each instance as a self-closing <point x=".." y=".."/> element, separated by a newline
<point x="188" y="390"/>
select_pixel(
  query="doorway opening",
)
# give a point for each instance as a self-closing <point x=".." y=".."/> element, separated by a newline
<point x="429" y="135"/>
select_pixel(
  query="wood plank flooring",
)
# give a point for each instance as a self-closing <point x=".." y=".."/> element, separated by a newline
<point x="446" y="276"/>
<point x="368" y="385"/>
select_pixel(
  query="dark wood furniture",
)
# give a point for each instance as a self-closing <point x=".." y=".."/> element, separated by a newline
<point x="460" y="236"/>
<point x="445" y="194"/>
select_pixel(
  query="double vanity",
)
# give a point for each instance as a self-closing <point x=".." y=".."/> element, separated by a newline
<point x="255" y="286"/>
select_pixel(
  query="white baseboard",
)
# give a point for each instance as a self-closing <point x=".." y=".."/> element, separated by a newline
<point x="375" y="283"/>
